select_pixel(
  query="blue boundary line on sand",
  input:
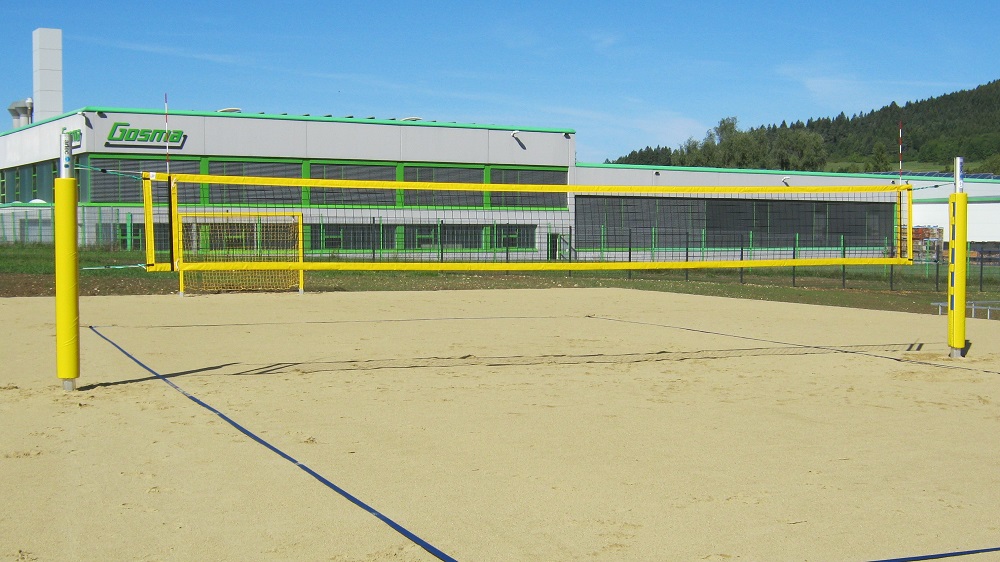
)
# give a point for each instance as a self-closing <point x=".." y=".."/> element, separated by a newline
<point x="940" y="556"/>
<point x="395" y="526"/>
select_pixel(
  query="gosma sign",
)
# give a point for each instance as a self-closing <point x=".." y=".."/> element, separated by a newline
<point x="125" y="135"/>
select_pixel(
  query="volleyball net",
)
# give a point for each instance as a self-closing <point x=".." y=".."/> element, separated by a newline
<point x="242" y="224"/>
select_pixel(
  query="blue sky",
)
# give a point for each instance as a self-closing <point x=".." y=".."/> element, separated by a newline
<point x="622" y="75"/>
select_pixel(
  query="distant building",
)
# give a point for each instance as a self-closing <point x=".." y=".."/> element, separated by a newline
<point x="110" y="144"/>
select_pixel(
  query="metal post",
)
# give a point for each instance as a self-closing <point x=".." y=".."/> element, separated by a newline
<point x="506" y="241"/>
<point x="569" y="244"/>
<point x="174" y="237"/>
<point x="687" y="254"/>
<point x="604" y="239"/>
<point x="958" y="265"/>
<point x="569" y="248"/>
<point x="630" y="253"/>
<point x="937" y="271"/>
<point x="892" y="271"/>
<point x="128" y="232"/>
<point x="67" y="271"/>
<point x="795" y="252"/>
<point x="741" y="259"/>
<point x="843" y="267"/>
<point x="981" y="259"/>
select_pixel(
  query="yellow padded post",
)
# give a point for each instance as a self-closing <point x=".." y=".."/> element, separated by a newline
<point x="67" y="283"/>
<point x="958" y="204"/>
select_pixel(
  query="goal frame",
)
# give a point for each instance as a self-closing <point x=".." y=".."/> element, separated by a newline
<point x="234" y="266"/>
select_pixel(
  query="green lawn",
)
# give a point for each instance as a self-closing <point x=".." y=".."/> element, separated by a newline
<point x="28" y="270"/>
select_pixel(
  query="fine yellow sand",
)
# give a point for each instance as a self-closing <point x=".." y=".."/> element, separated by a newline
<point x="558" y="424"/>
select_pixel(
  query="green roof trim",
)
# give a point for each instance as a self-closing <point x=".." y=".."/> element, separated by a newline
<point x="773" y="172"/>
<point x="37" y="123"/>
<point x="312" y="118"/>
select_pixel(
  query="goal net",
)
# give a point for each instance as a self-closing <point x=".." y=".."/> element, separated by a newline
<point x="232" y="224"/>
<point x="230" y="245"/>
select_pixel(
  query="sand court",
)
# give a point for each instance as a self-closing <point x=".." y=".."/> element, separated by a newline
<point x="556" y="424"/>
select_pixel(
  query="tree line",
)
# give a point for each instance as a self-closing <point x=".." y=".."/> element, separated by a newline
<point x="964" y="123"/>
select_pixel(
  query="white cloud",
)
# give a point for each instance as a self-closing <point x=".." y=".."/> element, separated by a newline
<point x="825" y="78"/>
<point x="219" y="58"/>
<point x="602" y="134"/>
<point x="603" y="42"/>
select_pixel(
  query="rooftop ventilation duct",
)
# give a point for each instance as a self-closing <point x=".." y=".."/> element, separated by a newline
<point x="20" y="111"/>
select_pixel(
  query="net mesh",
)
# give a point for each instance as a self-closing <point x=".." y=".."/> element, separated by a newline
<point x="451" y="223"/>
<point x="231" y="238"/>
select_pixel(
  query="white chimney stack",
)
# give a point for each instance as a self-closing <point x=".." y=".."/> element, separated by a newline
<point x="46" y="58"/>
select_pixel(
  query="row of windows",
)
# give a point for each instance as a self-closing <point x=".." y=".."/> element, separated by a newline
<point x="664" y="222"/>
<point x="28" y="183"/>
<point x="336" y="237"/>
<point x="115" y="181"/>
<point x="108" y="180"/>
<point x="421" y="236"/>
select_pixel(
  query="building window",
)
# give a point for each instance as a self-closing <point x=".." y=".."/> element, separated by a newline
<point x="522" y="199"/>
<point x="514" y="236"/>
<point x="114" y="180"/>
<point x="353" y="237"/>
<point x="250" y="194"/>
<point x="613" y="222"/>
<point x="352" y="197"/>
<point x="431" y="198"/>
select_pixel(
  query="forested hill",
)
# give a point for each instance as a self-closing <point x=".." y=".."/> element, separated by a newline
<point x="935" y="130"/>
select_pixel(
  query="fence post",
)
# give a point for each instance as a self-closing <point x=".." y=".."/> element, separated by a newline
<point x="981" y="260"/>
<point x="506" y="241"/>
<point x="604" y="240"/>
<point x="741" y="259"/>
<point x="128" y="232"/>
<point x="937" y="271"/>
<point x="630" y="251"/>
<point x="795" y="252"/>
<point x="687" y="254"/>
<point x="843" y="267"/>
<point x="569" y="249"/>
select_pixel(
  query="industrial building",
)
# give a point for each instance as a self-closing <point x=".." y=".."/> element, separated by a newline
<point x="111" y="144"/>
